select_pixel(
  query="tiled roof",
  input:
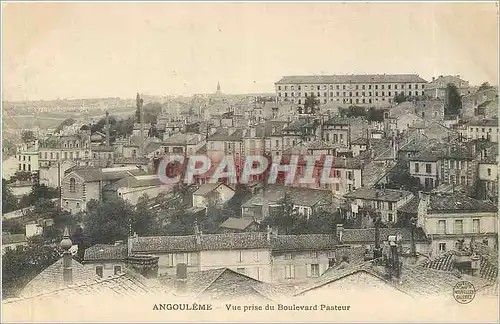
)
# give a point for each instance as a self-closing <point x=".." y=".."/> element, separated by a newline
<point x="82" y="301"/>
<point x="446" y="262"/>
<point x="132" y="160"/>
<point x="52" y="278"/>
<point x="100" y="252"/>
<point x="415" y="280"/>
<point x="376" y="170"/>
<point x="13" y="238"/>
<point x="378" y="194"/>
<point x="338" y="121"/>
<point x="237" y="223"/>
<point x="367" y="235"/>
<point x="296" y="125"/>
<point x="360" y="141"/>
<point x="318" y="145"/>
<point x="359" y="78"/>
<point x="484" y="122"/>
<point x="304" y="242"/>
<point x="135" y="182"/>
<point x="411" y="206"/>
<point x="223" y="135"/>
<point x="227" y="241"/>
<point x="152" y="146"/>
<point x="299" y="196"/>
<point x="226" y="284"/>
<point x="450" y="203"/>
<point x="182" y="139"/>
<point x="98" y="174"/>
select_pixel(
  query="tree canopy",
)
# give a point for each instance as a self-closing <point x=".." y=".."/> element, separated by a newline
<point x="66" y="122"/>
<point x="484" y="86"/>
<point x="9" y="201"/>
<point x="454" y="100"/>
<point x="27" y="136"/>
<point x="21" y="265"/>
<point x="311" y="105"/>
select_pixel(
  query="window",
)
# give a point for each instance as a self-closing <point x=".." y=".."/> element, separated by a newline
<point x="475" y="226"/>
<point x="428" y="168"/>
<point x="289" y="272"/>
<point x="390" y="217"/>
<point x="417" y="168"/>
<point x="442" y="247"/>
<point x="240" y="258"/>
<point x="117" y="270"/>
<point x="256" y="256"/>
<point x="441" y="229"/>
<point x="314" y="270"/>
<point x="314" y="254"/>
<point x="390" y="205"/>
<point x="337" y="187"/>
<point x="72" y="185"/>
<point x="288" y="256"/>
<point x="489" y="172"/>
<point x="459" y="226"/>
<point x="99" y="271"/>
<point x="240" y="270"/>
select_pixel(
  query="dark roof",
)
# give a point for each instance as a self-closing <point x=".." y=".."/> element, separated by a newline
<point x="207" y="188"/>
<point x="101" y="252"/>
<point x="338" y="121"/>
<point x="237" y="223"/>
<point x="358" y="78"/>
<point x="226" y="284"/>
<point x="52" y="278"/>
<point x="415" y="280"/>
<point x="378" y="194"/>
<point x="487" y="269"/>
<point x="451" y="203"/>
<point x="227" y="241"/>
<point x="367" y="235"/>
<point x="411" y="207"/>
<point x="13" y="238"/>
<point x="299" y="196"/>
<point x="224" y="135"/>
<point x="304" y="242"/>
<point x="484" y="122"/>
<point x="84" y="300"/>
<point x="360" y="141"/>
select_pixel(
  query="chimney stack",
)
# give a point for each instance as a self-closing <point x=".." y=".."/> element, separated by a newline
<point x="146" y="265"/>
<point x="107" y="129"/>
<point x="130" y="243"/>
<point x="197" y="234"/>
<point x="181" y="277"/>
<point x="66" y="244"/>
<point x="340" y="232"/>
<point x="139" y="103"/>
<point x="269" y="231"/>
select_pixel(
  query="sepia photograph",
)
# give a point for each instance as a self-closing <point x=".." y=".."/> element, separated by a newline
<point x="250" y="161"/>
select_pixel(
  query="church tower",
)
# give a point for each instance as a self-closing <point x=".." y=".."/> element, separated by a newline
<point x="218" y="88"/>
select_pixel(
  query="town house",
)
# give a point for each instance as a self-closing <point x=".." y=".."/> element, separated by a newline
<point x="384" y="202"/>
<point x="448" y="218"/>
<point x="486" y="129"/>
<point x="132" y="188"/>
<point x="82" y="185"/>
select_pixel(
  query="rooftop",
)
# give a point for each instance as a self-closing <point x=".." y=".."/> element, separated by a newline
<point x="378" y="194"/>
<point x="100" y="252"/>
<point x="299" y="196"/>
<point x="13" y="239"/>
<point x="359" y="78"/>
<point x="106" y="174"/>
<point x="237" y="223"/>
<point x="453" y="203"/>
<point x="367" y="235"/>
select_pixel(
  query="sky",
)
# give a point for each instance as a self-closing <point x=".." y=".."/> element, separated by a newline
<point x="89" y="50"/>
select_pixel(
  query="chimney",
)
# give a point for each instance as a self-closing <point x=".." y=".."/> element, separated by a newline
<point x="139" y="103"/>
<point x="269" y="233"/>
<point x="107" y="129"/>
<point x="131" y="240"/>
<point x="340" y="232"/>
<point x="181" y="277"/>
<point x="475" y="264"/>
<point x="66" y="244"/>
<point x="197" y="234"/>
<point x="146" y="265"/>
<point x="433" y="78"/>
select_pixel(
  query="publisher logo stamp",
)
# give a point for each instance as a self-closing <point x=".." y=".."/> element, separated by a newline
<point x="464" y="292"/>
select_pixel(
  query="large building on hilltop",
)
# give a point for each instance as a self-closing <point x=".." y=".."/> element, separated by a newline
<point x="353" y="89"/>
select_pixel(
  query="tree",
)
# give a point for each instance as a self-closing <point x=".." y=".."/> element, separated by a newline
<point x="151" y="111"/>
<point x="453" y="100"/>
<point x="484" y="86"/>
<point x="108" y="221"/>
<point x="400" y="97"/>
<point x="66" y="122"/>
<point x="284" y="217"/>
<point x="311" y="105"/>
<point x="144" y="222"/>
<point x="21" y="265"/>
<point x="27" y="136"/>
<point x="38" y="192"/>
<point x="13" y="226"/>
<point x="9" y="201"/>
<point x="322" y="222"/>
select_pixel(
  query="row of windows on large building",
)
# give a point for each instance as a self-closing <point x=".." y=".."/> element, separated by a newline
<point x="67" y="155"/>
<point x="350" y="94"/>
<point x="357" y="87"/>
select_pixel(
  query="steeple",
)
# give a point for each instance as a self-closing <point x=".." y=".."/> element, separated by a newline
<point x="218" y="88"/>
